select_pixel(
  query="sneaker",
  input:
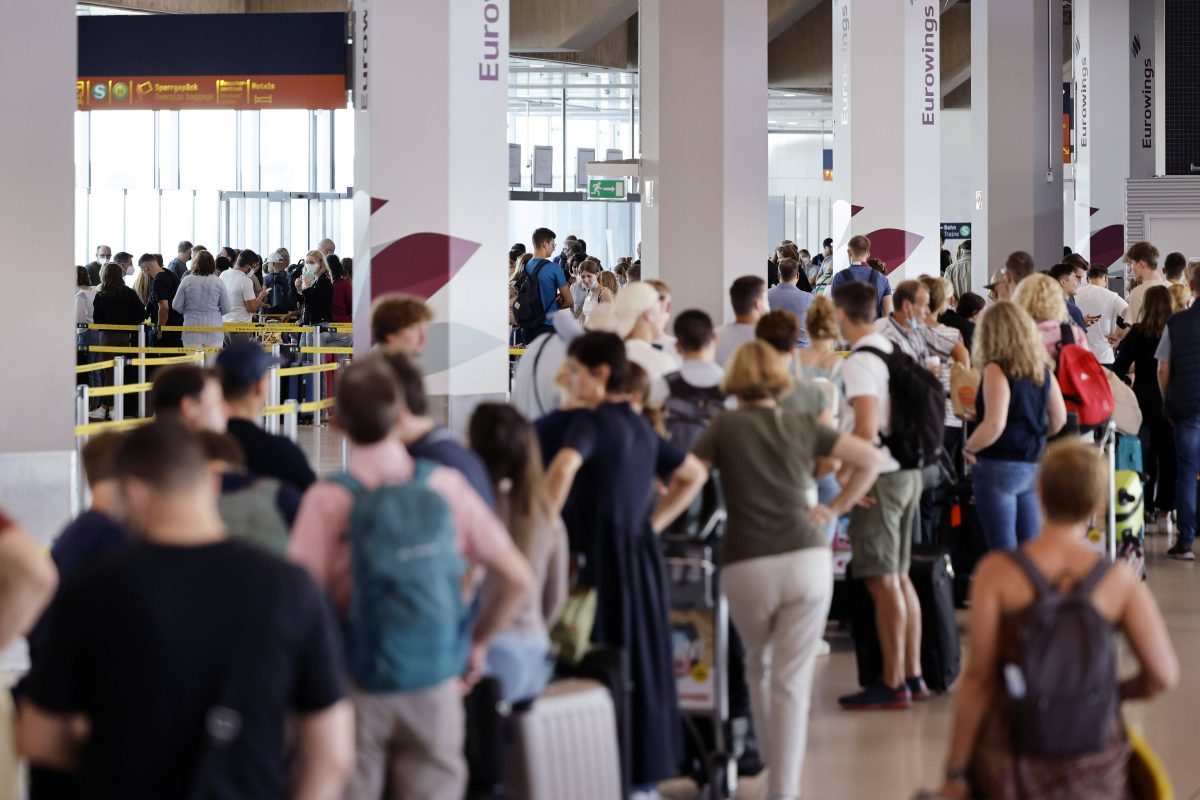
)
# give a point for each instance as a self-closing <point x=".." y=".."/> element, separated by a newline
<point x="918" y="688"/>
<point x="1181" y="553"/>
<point x="877" y="697"/>
<point x="98" y="413"/>
<point x="824" y="648"/>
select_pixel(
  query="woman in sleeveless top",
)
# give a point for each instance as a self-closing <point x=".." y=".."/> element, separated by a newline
<point x="983" y="762"/>
<point x="1019" y="404"/>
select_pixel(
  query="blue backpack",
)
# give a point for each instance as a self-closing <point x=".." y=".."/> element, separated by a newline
<point x="407" y="625"/>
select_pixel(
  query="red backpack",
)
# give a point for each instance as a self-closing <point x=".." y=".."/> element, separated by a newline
<point x="1084" y="385"/>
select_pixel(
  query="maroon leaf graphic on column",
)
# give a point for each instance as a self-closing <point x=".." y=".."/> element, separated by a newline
<point x="377" y="203"/>
<point x="893" y="246"/>
<point x="1108" y="245"/>
<point x="855" y="209"/>
<point x="420" y="264"/>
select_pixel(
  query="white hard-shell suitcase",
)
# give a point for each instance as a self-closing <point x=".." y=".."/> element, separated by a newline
<point x="565" y="746"/>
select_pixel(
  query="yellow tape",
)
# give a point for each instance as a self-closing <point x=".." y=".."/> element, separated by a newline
<point x="341" y="327"/>
<point x="93" y="367"/>
<point x="319" y="405"/>
<point x="283" y="373"/>
<point x="132" y="328"/>
<point x="101" y="427"/>
<point x="236" y="327"/>
<point x="102" y="348"/>
<point x="162" y="362"/>
<point x="340" y="351"/>
<point x="129" y="388"/>
<point x="275" y="411"/>
<point x="842" y="353"/>
<point x="516" y="351"/>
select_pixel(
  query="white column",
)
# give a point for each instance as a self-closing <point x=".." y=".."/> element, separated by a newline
<point x="1016" y="131"/>
<point x="887" y="133"/>
<point x="704" y="146"/>
<point x="36" y="160"/>
<point x="1144" y="83"/>
<point x="431" y="204"/>
<point x="1102" y="55"/>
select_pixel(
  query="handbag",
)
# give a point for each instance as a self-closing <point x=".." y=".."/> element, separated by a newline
<point x="1127" y="414"/>
<point x="571" y="636"/>
<point x="964" y="386"/>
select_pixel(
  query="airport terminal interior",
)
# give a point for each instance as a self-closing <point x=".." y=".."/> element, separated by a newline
<point x="832" y="430"/>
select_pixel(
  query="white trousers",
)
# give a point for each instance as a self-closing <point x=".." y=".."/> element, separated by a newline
<point x="780" y="605"/>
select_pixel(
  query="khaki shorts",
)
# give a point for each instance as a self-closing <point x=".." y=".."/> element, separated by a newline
<point x="881" y="536"/>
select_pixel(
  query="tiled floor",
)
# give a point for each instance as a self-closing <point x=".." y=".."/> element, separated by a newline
<point x="889" y="755"/>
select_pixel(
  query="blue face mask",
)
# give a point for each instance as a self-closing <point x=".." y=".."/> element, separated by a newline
<point x="914" y="324"/>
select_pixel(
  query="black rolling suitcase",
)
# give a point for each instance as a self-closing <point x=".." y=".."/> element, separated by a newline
<point x="941" y="655"/>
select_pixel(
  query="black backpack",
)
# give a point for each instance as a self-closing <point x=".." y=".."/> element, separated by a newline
<point x="1063" y="687"/>
<point x="918" y="410"/>
<point x="689" y="409"/>
<point x="527" y="308"/>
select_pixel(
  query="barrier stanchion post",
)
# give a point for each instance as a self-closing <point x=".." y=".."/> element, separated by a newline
<point x="141" y="374"/>
<point x="119" y="381"/>
<point x="78" y="493"/>
<point x="291" y="420"/>
<point x="318" y="378"/>
<point x="273" y="398"/>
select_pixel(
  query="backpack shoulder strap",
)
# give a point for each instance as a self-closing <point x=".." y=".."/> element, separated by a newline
<point x="1041" y="586"/>
<point x="348" y="481"/>
<point x="1088" y="585"/>
<point x="1066" y="336"/>
<point x="875" y="351"/>
<point x="422" y="469"/>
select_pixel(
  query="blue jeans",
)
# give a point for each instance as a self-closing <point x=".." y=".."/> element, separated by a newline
<point x="1187" y="459"/>
<point x="521" y="664"/>
<point x="827" y="490"/>
<point x="1006" y="498"/>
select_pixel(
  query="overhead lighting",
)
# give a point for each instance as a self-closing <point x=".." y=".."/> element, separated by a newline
<point x="793" y="123"/>
<point x="772" y="122"/>
<point x="789" y="94"/>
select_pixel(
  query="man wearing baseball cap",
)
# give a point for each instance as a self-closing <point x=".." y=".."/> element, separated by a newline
<point x="640" y="318"/>
<point x="281" y="293"/>
<point x="245" y="380"/>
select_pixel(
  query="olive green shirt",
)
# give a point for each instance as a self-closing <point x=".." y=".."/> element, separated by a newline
<point x="766" y="458"/>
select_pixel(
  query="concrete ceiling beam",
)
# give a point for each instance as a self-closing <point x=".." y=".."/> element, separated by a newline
<point x="802" y="56"/>
<point x="549" y="26"/>
<point x="783" y="14"/>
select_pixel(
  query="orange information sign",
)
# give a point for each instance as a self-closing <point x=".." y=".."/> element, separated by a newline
<point x="208" y="91"/>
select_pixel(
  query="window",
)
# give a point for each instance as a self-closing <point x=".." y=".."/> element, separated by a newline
<point x="284" y="150"/>
<point x="142" y="232"/>
<point x="122" y="149"/>
<point x="207" y="149"/>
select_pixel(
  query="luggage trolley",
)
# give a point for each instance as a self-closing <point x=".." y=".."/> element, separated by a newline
<point x="700" y="645"/>
<point x="1124" y="535"/>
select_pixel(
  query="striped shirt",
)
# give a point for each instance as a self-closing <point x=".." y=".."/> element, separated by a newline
<point x="202" y="299"/>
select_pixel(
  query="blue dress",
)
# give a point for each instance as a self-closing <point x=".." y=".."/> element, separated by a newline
<point x="608" y="519"/>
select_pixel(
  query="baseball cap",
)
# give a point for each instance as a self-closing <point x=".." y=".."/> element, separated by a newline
<point x="275" y="258"/>
<point x="243" y="363"/>
<point x="997" y="279"/>
<point x="633" y="301"/>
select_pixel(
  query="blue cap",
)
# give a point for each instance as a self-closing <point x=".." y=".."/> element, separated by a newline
<point x="245" y="362"/>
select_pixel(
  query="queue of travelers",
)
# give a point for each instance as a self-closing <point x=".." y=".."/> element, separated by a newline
<point x="214" y="566"/>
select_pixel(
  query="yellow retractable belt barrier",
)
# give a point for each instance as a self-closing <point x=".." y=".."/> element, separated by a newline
<point x="101" y="348"/>
<point x="236" y="327"/>
<point x="93" y="367"/>
<point x="275" y="411"/>
<point x="130" y="328"/>
<point x="342" y="327"/>
<point x="318" y="405"/>
<point x="128" y="388"/>
<point x="337" y="351"/>
<point x="101" y="427"/>
<point x="162" y="362"/>
<point x="283" y="373"/>
<point x="516" y="351"/>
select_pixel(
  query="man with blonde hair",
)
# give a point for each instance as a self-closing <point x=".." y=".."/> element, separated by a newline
<point x="859" y="250"/>
<point x="400" y="324"/>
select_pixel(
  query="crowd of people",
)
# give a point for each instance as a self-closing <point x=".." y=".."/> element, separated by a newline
<point x="315" y="634"/>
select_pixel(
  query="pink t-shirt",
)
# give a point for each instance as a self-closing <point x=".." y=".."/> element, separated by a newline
<point x="319" y="542"/>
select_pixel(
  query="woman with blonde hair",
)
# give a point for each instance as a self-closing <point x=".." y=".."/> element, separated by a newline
<point x="1181" y="297"/>
<point x="1019" y="404"/>
<point x="820" y="359"/>
<point x="315" y="287"/>
<point x="947" y="344"/>
<point x="519" y="657"/>
<point x="608" y="280"/>
<point x="776" y="566"/>
<point x="1042" y="298"/>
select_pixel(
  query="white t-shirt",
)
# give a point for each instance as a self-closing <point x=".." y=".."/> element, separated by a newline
<point x="240" y="289"/>
<point x="729" y="338"/>
<point x="866" y="374"/>
<point x="1096" y="300"/>
<point x="1137" y="297"/>
<point x="657" y="363"/>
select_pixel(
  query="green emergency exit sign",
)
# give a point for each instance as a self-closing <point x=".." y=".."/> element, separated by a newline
<point x="606" y="189"/>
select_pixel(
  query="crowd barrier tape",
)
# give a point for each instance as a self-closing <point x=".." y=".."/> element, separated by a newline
<point x="174" y="351"/>
<point x="337" y="351"/>
<point x="236" y="327"/>
<point x="341" y="327"/>
<point x="317" y="405"/>
<point x="275" y="411"/>
<point x="130" y="328"/>
<point x="93" y="428"/>
<point x="127" y="388"/>
<point x="82" y="368"/>
<point x="167" y="360"/>
<point x="516" y="351"/>
<point x="306" y="370"/>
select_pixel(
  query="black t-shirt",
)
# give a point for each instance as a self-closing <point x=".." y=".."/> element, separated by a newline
<point x="440" y="446"/>
<point x="163" y="287"/>
<point x="272" y="456"/>
<point x="169" y="651"/>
